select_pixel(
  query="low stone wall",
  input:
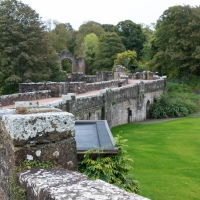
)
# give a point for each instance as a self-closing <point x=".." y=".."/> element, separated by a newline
<point x="64" y="184"/>
<point x="42" y="136"/>
<point x="29" y="96"/>
<point x="90" y="78"/>
<point x="104" y="76"/>
<point x="145" y="75"/>
<point x="57" y="89"/>
<point x="100" y="76"/>
<point x="113" y="104"/>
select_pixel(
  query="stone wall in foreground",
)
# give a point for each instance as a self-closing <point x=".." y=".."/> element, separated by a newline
<point x="62" y="184"/>
<point x="45" y="136"/>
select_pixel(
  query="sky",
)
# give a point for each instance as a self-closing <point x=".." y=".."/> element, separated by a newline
<point x="77" y="12"/>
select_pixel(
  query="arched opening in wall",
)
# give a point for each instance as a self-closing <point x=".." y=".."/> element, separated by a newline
<point x="66" y="65"/>
<point x="148" y="110"/>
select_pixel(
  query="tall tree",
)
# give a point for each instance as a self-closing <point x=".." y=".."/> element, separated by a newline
<point x="63" y="37"/>
<point x="91" y="42"/>
<point x="177" y="39"/>
<point x="108" y="27"/>
<point x="85" y="29"/>
<point x="109" y="46"/>
<point x="25" y="54"/>
<point x="148" y="50"/>
<point x="132" y="36"/>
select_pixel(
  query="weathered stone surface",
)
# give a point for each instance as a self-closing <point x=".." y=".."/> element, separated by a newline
<point x="44" y="137"/>
<point x="61" y="184"/>
<point x="39" y="128"/>
<point x="63" y="153"/>
<point x="119" y="71"/>
<point x="28" y="96"/>
<point x="57" y="89"/>
<point x="113" y="104"/>
<point x="25" y="104"/>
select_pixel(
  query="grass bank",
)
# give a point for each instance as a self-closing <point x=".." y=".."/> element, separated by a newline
<point x="166" y="157"/>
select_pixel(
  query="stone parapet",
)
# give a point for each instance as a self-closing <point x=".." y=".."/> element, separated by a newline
<point x="62" y="184"/>
<point x="47" y="136"/>
<point x="112" y="104"/>
<point x="28" y="96"/>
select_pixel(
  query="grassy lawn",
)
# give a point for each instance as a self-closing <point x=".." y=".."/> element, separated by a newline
<point x="166" y="157"/>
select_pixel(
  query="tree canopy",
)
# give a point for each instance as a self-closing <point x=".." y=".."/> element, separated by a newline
<point x="91" y="42"/>
<point x="63" y="37"/>
<point x="132" y="36"/>
<point x="85" y="29"/>
<point x="109" y="46"/>
<point x="25" y="54"/>
<point x="126" y="58"/>
<point x="177" y="41"/>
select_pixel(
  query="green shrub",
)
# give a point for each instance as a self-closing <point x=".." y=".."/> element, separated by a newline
<point x="112" y="169"/>
<point x="177" y="101"/>
<point x="176" y="87"/>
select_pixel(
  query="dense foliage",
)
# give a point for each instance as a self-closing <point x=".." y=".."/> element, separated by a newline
<point x="177" y="42"/>
<point x="25" y="54"/>
<point x="85" y="29"/>
<point x="62" y="37"/>
<point x="132" y="36"/>
<point x="126" y="59"/>
<point x="109" y="46"/>
<point x="177" y="101"/>
<point x="112" y="169"/>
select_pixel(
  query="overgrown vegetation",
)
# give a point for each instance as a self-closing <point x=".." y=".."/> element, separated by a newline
<point x="27" y="164"/>
<point x="113" y="169"/>
<point x="16" y="191"/>
<point x="177" y="101"/>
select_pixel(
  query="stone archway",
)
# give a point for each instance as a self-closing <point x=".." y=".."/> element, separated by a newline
<point x="148" y="110"/>
<point x="78" y="64"/>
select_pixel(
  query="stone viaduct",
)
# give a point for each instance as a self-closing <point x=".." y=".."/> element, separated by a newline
<point x="47" y="134"/>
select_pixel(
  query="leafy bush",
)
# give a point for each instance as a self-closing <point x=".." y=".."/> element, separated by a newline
<point x="177" y="101"/>
<point x="193" y="82"/>
<point x="112" y="169"/>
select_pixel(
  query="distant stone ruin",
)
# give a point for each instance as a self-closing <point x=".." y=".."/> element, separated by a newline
<point x="119" y="71"/>
<point x="78" y="64"/>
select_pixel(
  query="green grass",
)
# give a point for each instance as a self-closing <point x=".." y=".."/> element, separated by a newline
<point x="166" y="157"/>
